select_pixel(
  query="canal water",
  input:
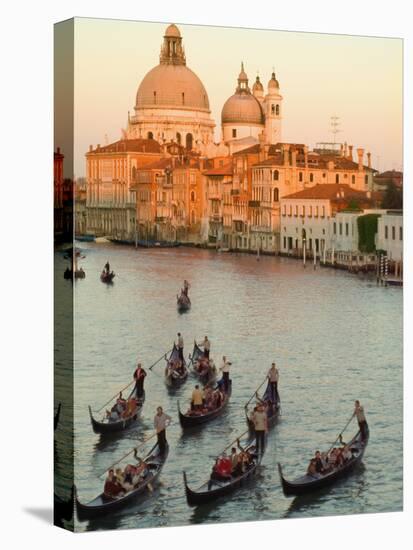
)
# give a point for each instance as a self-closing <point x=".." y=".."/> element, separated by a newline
<point x="335" y="337"/>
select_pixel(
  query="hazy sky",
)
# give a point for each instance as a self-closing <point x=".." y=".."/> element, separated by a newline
<point x="358" y="79"/>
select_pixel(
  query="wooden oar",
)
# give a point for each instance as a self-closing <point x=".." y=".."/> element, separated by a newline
<point x="341" y="433"/>
<point x="161" y="357"/>
<point x="254" y="394"/>
<point x="116" y="394"/>
<point x="235" y="440"/>
<point x="127" y="454"/>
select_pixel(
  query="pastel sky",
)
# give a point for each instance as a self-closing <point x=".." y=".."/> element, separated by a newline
<point x="358" y="79"/>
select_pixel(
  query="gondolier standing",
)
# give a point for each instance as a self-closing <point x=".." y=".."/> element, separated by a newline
<point x="207" y="346"/>
<point x="273" y="376"/>
<point x="361" y="419"/>
<point x="259" y="419"/>
<point x="139" y="377"/>
<point x="180" y="345"/>
<point x="186" y="287"/>
<point x="160" y="422"/>
<point x="107" y="266"/>
<point x="225" y="372"/>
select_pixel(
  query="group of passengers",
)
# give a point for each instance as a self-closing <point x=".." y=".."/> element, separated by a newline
<point x="232" y="466"/>
<point x="122" y="409"/>
<point x="324" y="463"/>
<point x="119" y="482"/>
<point x="206" y="400"/>
<point x="205" y="367"/>
<point x="175" y="365"/>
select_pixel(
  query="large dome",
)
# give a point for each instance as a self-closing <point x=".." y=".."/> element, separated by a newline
<point x="172" y="86"/>
<point x="242" y="108"/>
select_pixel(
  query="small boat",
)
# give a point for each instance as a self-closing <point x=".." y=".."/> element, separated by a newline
<point x="174" y="377"/>
<point x="102" y="504"/>
<point x="157" y="244"/>
<point x="193" y="420"/>
<point x="107" y="277"/>
<point x="85" y="238"/>
<point x="128" y="242"/>
<point x="197" y="355"/>
<point x="105" y="426"/>
<point x="57" y="416"/>
<point x="273" y="411"/>
<point x="309" y="482"/>
<point x="213" y="489"/>
<point x="183" y="302"/>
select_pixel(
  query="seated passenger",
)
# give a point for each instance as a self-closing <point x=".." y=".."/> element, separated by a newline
<point x="311" y="470"/>
<point x="347" y="454"/>
<point x="318" y="463"/>
<point x="234" y="459"/>
<point x="112" y="488"/>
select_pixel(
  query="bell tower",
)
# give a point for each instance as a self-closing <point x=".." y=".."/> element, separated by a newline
<point x="273" y="111"/>
<point x="172" y="50"/>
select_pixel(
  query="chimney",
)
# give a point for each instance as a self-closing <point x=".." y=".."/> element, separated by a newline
<point x="341" y="150"/>
<point x="369" y="160"/>
<point x="345" y="149"/>
<point x="360" y="153"/>
<point x="350" y="152"/>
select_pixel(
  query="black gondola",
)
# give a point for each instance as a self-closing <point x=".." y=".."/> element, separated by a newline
<point x="309" y="483"/>
<point x="183" y="302"/>
<point x="103" y="505"/>
<point x="107" y="277"/>
<point x="214" y="489"/>
<point x="273" y="411"/>
<point x="198" y="354"/>
<point x="172" y="376"/>
<point x="57" y="416"/>
<point x="191" y="421"/>
<point x="110" y="427"/>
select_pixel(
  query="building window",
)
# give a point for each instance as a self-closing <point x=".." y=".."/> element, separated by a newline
<point x="316" y="211"/>
<point x="400" y="233"/>
<point x="393" y="233"/>
<point x="178" y="138"/>
<point x="303" y="210"/>
<point x="323" y="211"/>
<point x="291" y="210"/>
<point x="311" y="178"/>
<point x="300" y="176"/>
<point x="324" y="175"/>
<point x="337" y="178"/>
<point x="285" y="242"/>
<point x="277" y="109"/>
<point x="353" y="179"/>
<point x="192" y="196"/>
<point x="276" y="175"/>
<point x="154" y="97"/>
<point x="234" y="133"/>
<point x="346" y="229"/>
<point x="366" y="179"/>
<point x="284" y="210"/>
<point x="335" y="228"/>
<point x="189" y="141"/>
<point x="340" y="230"/>
<point x="296" y="210"/>
<point x="386" y="232"/>
<point x="275" y="194"/>
<point x="311" y="212"/>
<point x="272" y="109"/>
<point x="150" y="135"/>
<point x="183" y="98"/>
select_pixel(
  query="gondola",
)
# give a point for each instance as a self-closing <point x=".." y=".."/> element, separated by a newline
<point x="107" y="277"/>
<point x="198" y="354"/>
<point x="213" y="489"/>
<point x="191" y="421"/>
<point x="183" y="302"/>
<point x="57" y="416"/>
<point x="106" y="427"/>
<point x="273" y="412"/>
<point x="102" y="504"/>
<point x="174" y="377"/>
<point x="309" y="483"/>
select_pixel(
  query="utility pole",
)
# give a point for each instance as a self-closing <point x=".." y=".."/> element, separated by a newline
<point x="335" y="126"/>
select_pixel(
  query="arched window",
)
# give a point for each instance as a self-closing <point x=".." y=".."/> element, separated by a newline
<point x="150" y="135"/>
<point x="277" y="109"/>
<point x="272" y="109"/>
<point x="192" y="217"/>
<point x="353" y="179"/>
<point x="189" y="140"/>
<point x="234" y="133"/>
<point x="311" y="178"/>
<point x="337" y="178"/>
<point x="300" y="176"/>
<point x="275" y="194"/>
<point x="183" y="98"/>
<point x="192" y="196"/>
<point x="276" y="175"/>
<point x="178" y="138"/>
<point x="366" y="179"/>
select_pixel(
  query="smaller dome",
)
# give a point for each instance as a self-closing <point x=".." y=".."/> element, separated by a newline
<point x="257" y="85"/>
<point x="273" y="83"/>
<point x="173" y="31"/>
<point x="242" y="108"/>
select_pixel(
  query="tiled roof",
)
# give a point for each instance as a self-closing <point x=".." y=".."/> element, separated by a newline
<point x="159" y="164"/>
<point x="130" y="145"/>
<point x="328" y="191"/>
<point x="220" y="171"/>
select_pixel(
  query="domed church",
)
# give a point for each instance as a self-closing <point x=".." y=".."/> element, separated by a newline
<point x="248" y="114"/>
<point x="171" y="102"/>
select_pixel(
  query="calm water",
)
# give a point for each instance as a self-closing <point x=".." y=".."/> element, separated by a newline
<point x="335" y="338"/>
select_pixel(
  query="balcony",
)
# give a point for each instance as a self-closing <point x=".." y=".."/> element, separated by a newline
<point x="254" y="204"/>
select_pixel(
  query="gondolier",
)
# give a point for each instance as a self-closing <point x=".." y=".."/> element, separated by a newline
<point x="273" y="377"/>
<point x="160" y="422"/>
<point x="180" y="346"/>
<point x="107" y="266"/>
<point x="186" y="287"/>
<point x="361" y="419"/>
<point x="207" y="346"/>
<point x="259" y="418"/>
<point x="139" y="377"/>
<point x="225" y="372"/>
